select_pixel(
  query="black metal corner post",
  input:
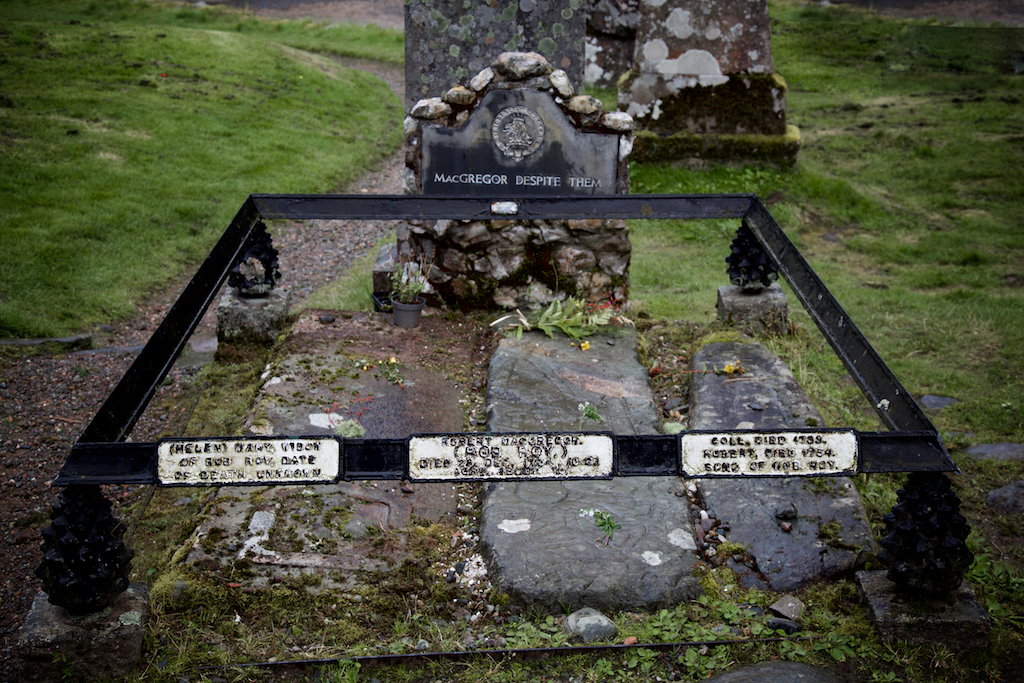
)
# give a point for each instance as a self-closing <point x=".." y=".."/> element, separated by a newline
<point x="85" y="563"/>
<point x="924" y="545"/>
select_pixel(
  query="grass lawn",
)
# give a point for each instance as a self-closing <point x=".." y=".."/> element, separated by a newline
<point x="130" y="135"/>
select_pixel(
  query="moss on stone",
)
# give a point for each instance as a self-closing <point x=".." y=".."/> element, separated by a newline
<point x="723" y="336"/>
<point x="777" y="150"/>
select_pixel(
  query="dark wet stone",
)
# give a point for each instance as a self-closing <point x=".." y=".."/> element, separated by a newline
<point x="780" y="624"/>
<point x="937" y="402"/>
<point x="1008" y="500"/>
<point x="776" y="672"/>
<point x="542" y="550"/>
<point x="997" y="451"/>
<point x="787" y="559"/>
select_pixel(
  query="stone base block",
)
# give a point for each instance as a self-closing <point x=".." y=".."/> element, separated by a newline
<point x="251" y="319"/>
<point x="764" y="311"/>
<point x="384" y="267"/>
<point x="699" y="150"/>
<point x="957" y="621"/>
<point x="55" y="646"/>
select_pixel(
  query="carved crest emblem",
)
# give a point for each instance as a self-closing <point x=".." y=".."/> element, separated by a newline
<point x="518" y="132"/>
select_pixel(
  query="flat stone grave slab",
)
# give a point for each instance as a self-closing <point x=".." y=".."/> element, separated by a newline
<point x="540" y="538"/>
<point x="798" y="529"/>
<point x="342" y="372"/>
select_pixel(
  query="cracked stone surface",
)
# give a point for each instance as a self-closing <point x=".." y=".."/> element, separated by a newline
<point x="829" y="529"/>
<point x="539" y="546"/>
<point x="328" y="373"/>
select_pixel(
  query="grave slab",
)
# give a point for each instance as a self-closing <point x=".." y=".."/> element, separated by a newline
<point x="541" y="545"/>
<point x="776" y="672"/>
<point x="331" y="376"/>
<point x="828" y="531"/>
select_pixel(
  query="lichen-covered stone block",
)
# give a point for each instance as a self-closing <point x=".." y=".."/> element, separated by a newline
<point x="251" y="319"/>
<point x="705" y="70"/>
<point x="55" y="646"/>
<point x="764" y="311"/>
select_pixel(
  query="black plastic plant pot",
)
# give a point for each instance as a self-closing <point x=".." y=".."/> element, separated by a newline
<point x="407" y="315"/>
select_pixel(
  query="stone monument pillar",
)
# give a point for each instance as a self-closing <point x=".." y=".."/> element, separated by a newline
<point x="611" y="37"/>
<point x="703" y="86"/>
<point x="448" y="41"/>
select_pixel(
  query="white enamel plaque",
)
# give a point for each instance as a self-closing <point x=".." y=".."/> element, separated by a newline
<point x="782" y="454"/>
<point x="201" y="462"/>
<point x="510" y="456"/>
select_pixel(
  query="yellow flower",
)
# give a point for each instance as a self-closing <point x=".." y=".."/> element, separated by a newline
<point x="584" y="346"/>
<point x="392" y="360"/>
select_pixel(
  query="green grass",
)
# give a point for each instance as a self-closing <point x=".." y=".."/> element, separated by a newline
<point x="907" y="202"/>
<point x="126" y="148"/>
<point x="345" y="40"/>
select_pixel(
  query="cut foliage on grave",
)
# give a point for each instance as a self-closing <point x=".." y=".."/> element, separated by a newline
<point x="572" y="317"/>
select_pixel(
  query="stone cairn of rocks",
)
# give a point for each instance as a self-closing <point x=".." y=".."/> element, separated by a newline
<point x="518" y="263"/>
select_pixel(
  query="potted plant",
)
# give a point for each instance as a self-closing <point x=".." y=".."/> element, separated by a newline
<point x="407" y="283"/>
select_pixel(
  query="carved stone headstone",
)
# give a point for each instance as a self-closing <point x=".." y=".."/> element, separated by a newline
<point x="518" y="143"/>
<point x="703" y="84"/>
<point x="447" y="41"/>
<point x="611" y="35"/>
<point x="517" y="129"/>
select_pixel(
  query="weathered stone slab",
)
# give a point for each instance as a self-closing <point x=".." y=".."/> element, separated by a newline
<point x="776" y="672"/>
<point x="542" y="548"/>
<point x="797" y="529"/>
<point x="957" y="621"/>
<point x="331" y="378"/>
<point x="448" y="42"/>
<point x="101" y="645"/>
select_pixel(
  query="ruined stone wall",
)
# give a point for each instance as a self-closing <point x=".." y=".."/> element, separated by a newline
<point x="517" y="263"/>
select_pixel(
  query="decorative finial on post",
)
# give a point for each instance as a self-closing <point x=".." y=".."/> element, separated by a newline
<point x="750" y="267"/>
<point x="257" y="272"/>
<point x="925" y="542"/>
<point x="85" y="563"/>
